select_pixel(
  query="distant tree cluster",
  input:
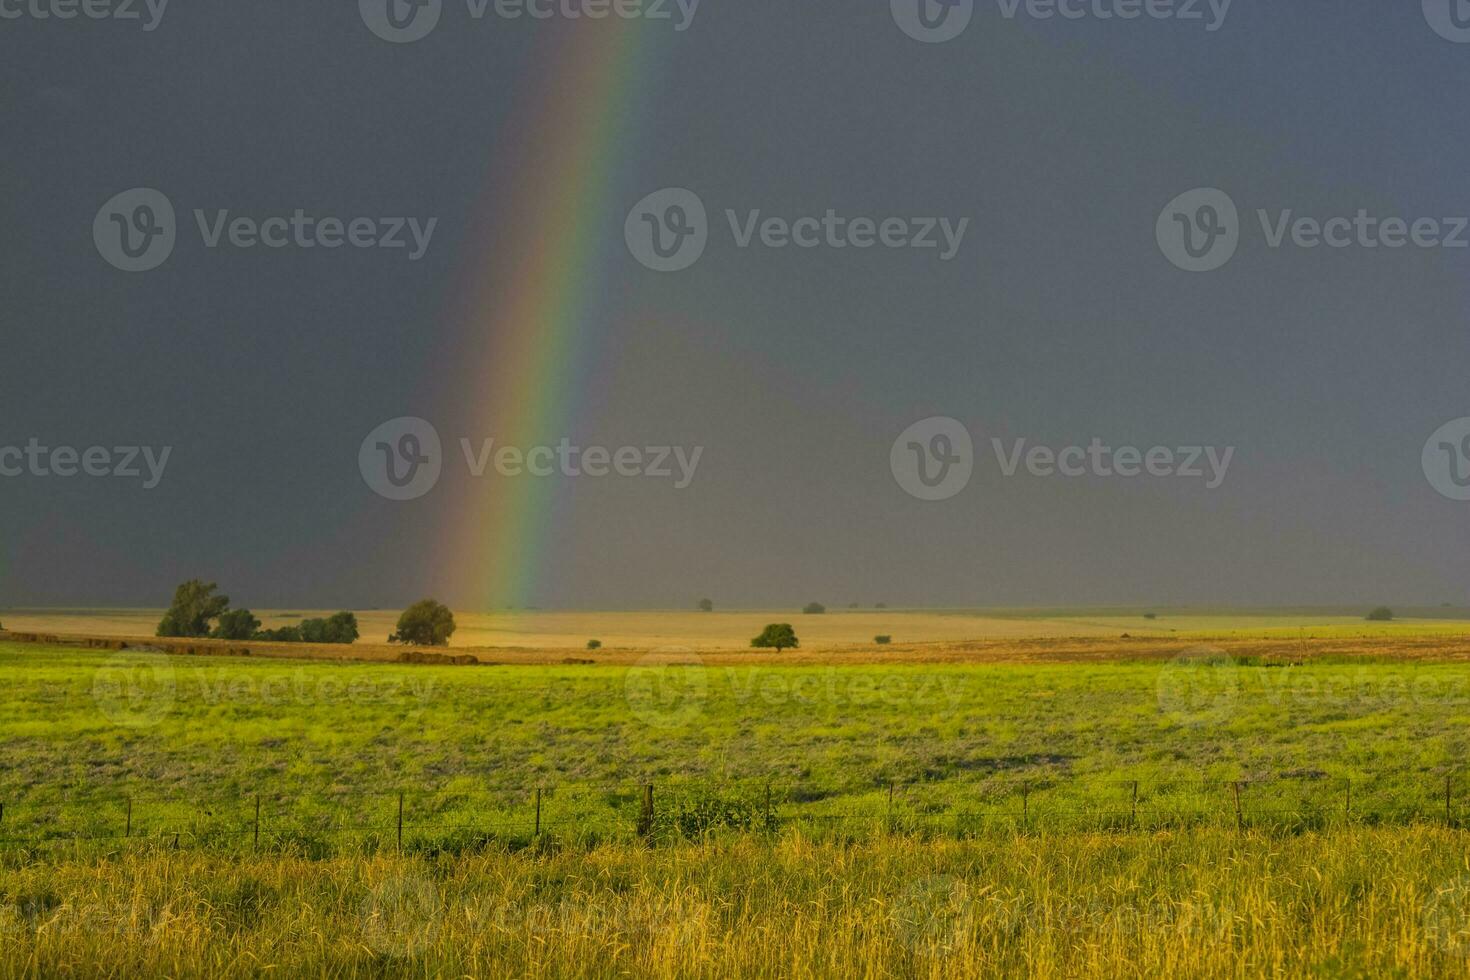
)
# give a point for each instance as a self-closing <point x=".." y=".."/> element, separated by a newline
<point x="814" y="609"/>
<point x="199" y="611"/>
<point x="341" y="628"/>
<point x="1382" y="614"/>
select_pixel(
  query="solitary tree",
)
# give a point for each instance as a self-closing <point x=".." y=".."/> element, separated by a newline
<point x="236" y="624"/>
<point x="1382" y="614"/>
<point x="706" y="605"/>
<point x="814" y="609"/>
<point x="426" y="624"/>
<point x="777" y="636"/>
<point x="195" y="604"/>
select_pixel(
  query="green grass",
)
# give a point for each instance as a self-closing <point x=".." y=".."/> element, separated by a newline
<point x="327" y="748"/>
<point x="1010" y="847"/>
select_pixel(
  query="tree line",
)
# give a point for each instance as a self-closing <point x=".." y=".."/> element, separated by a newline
<point x="200" y="611"/>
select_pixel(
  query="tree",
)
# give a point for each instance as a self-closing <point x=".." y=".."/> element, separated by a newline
<point x="594" y="644"/>
<point x="341" y="628"/>
<point x="425" y="624"/>
<point x="236" y="624"/>
<point x="1382" y="614"/>
<point x="777" y="636"/>
<point x="882" y="641"/>
<point x="814" y="609"/>
<point x="195" y="604"/>
<point x="706" y="605"/>
<point x="286" y="634"/>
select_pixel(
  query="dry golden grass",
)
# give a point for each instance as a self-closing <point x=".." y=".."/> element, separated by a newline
<point x="1435" y="642"/>
<point x="617" y="630"/>
<point x="838" y="637"/>
<point x="1358" y="902"/>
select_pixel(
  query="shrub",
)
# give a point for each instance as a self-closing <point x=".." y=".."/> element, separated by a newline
<point x="195" y="604"/>
<point x="705" y="812"/>
<point x="426" y="623"/>
<point x="338" y="629"/>
<point x="594" y="644"/>
<point x="777" y="636"/>
<point x="286" y="634"/>
<point x="882" y="641"/>
<point x="814" y="609"/>
<point x="706" y="605"/>
<point x="236" y="624"/>
<point x="1150" y="615"/>
<point x="1382" y="614"/>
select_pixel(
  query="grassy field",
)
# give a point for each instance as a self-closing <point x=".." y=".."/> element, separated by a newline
<point x="1267" y="803"/>
<point x="1205" y="904"/>
<point x="837" y="629"/>
<point x="194" y="740"/>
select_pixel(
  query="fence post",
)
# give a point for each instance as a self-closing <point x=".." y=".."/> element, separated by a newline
<point x="645" y="816"/>
<point x="1239" y="819"/>
<point x="400" y="821"/>
<point x="257" y="821"/>
<point x="128" y="832"/>
<point x="538" y="811"/>
<point x="1025" y="803"/>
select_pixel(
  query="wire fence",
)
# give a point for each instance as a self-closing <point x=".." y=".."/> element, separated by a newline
<point x="425" y="819"/>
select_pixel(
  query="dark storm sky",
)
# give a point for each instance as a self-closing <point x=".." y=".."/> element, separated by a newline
<point x="1059" y="320"/>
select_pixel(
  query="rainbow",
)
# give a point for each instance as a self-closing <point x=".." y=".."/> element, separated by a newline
<point x="534" y="324"/>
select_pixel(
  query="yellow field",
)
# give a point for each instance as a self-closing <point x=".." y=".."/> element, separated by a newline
<point x="677" y="631"/>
